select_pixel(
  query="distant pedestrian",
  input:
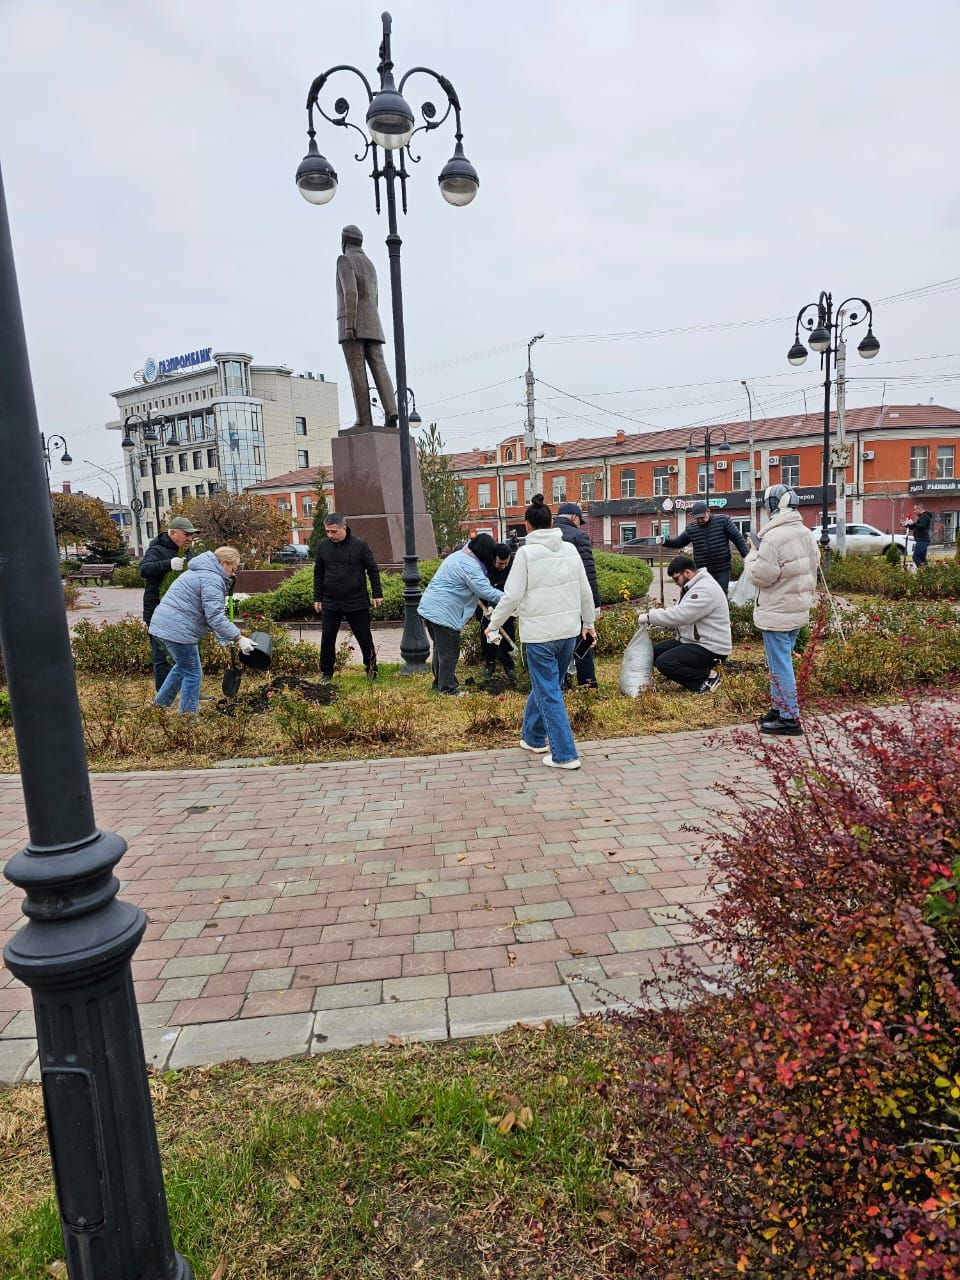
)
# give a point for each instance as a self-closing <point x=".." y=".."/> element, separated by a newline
<point x="494" y="653"/>
<point x="343" y="564"/>
<point x="450" y="598"/>
<point x="783" y="566"/>
<point x="702" y="620"/>
<point x="165" y="554"/>
<point x="711" y="535"/>
<point x="570" y="523"/>
<point x="194" y="605"/>
<point x="548" y="588"/>
<point x="919" y="526"/>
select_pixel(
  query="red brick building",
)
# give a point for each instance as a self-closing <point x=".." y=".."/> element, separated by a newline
<point x="899" y="453"/>
<point x="295" y="494"/>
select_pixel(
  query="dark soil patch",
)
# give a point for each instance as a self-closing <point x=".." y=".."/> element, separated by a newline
<point x="258" y="700"/>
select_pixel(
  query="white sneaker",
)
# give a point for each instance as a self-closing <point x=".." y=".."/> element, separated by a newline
<point x="539" y="750"/>
<point x="561" y="764"/>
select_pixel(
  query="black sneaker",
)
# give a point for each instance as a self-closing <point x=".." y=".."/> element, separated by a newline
<point x="783" y="725"/>
<point x="711" y="682"/>
<point x="769" y="717"/>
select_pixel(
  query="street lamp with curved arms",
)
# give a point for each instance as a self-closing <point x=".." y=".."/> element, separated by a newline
<point x="702" y="441"/>
<point x="54" y="444"/>
<point x="826" y="329"/>
<point x="390" y="128"/>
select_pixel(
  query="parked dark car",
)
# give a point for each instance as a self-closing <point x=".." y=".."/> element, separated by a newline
<point x="291" y="554"/>
<point x="645" y="548"/>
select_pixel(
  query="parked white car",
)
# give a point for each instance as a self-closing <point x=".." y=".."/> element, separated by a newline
<point x="863" y="539"/>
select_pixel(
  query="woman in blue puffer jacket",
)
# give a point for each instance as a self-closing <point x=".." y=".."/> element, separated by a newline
<point x="448" y="603"/>
<point x="194" y="605"/>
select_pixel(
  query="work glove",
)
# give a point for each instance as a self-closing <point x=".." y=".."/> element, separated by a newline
<point x="246" y="645"/>
<point x="177" y="563"/>
<point x="643" y="619"/>
<point x="494" y="637"/>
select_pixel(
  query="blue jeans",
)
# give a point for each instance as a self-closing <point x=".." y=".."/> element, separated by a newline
<point x="545" y="716"/>
<point x="184" y="678"/>
<point x="778" y="649"/>
<point x="920" y="553"/>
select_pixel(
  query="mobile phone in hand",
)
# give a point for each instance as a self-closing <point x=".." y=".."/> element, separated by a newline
<point x="583" y="646"/>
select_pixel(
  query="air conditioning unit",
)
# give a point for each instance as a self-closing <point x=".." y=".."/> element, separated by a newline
<point x="868" y="455"/>
<point x="672" y="471"/>
<point x="773" y="460"/>
<point x="722" y="465"/>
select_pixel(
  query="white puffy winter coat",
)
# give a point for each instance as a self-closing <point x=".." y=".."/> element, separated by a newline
<point x="784" y="569"/>
<point x="548" y="588"/>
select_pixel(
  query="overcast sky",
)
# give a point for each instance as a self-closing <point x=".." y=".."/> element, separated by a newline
<point x="720" y="163"/>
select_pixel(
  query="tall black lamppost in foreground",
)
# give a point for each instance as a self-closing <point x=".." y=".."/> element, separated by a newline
<point x="53" y="444"/>
<point x="74" y="951"/>
<point x="703" y="440"/>
<point x="825" y="331"/>
<point x="390" y="125"/>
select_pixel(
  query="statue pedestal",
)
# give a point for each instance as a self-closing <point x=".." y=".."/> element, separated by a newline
<point x="366" y="477"/>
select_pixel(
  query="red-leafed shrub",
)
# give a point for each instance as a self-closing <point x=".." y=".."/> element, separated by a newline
<point x="802" y="1117"/>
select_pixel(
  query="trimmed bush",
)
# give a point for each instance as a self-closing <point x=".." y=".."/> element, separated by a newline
<point x="876" y="576"/>
<point x="128" y="575"/>
<point x="123" y="649"/>
<point x="804" y="1121"/>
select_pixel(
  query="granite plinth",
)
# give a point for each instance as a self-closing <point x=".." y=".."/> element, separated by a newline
<point x="366" y="464"/>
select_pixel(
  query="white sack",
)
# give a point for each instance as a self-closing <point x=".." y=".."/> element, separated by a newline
<point x="743" y="591"/>
<point x="636" y="669"/>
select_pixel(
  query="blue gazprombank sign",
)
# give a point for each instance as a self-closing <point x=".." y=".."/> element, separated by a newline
<point x="187" y="361"/>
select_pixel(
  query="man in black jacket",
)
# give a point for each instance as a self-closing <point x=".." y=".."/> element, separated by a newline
<point x="711" y="536"/>
<point x="164" y="555"/>
<point x="498" y="572"/>
<point x="919" y="526"/>
<point x="340" y="573"/>
<point x="570" y="521"/>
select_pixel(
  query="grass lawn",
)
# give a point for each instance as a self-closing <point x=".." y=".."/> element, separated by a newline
<point x="396" y="716"/>
<point x="453" y="1161"/>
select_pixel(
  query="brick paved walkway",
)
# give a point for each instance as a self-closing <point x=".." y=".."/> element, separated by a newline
<point x="298" y="909"/>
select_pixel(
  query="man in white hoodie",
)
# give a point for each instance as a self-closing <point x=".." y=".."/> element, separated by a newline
<point x="548" y="588"/>
<point x="702" y="620"/>
<point x="783" y="566"/>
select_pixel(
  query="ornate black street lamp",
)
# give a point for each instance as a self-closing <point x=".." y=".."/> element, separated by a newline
<point x="149" y="441"/>
<point x="702" y="441"/>
<point x="53" y="444"/>
<point x="825" y="331"/>
<point x="74" y="952"/>
<point x="390" y="127"/>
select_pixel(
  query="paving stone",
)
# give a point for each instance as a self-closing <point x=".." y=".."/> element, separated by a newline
<point x="191" y="966"/>
<point x="585" y="968"/>
<point x="270" y="979"/>
<point x="405" y="1019"/>
<point x="21" y="1027"/>
<point x="244" y="1040"/>
<point x="183" y="929"/>
<point x="182" y="989"/>
<point x="557" y="910"/>
<point x="156" y="1013"/>
<point x="393" y="910"/>
<point x="158" y="1044"/>
<point x="441" y="940"/>
<point x="606" y="993"/>
<point x="428" y="987"/>
<point x="486" y="1014"/>
<point x="655" y="937"/>
<point x="15" y="1057"/>
<point x="529" y="879"/>
<point x="348" y="994"/>
<point x="535" y="932"/>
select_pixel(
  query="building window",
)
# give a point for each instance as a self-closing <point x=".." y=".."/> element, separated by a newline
<point x="143" y="466"/>
<point x="149" y="528"/>
<point x="211" y="457"/>
<point x="628" y="532"/>
<point x="743" y="524"/>
<point x="172" y="497"/>
<point x="586" y="488"/>
<point x="790" y="470"/>
<point x="527" y="492"/>
<point x="703" y="476"/>
<point x="300" y="426"/>
<point x="628" y="485"/>
<point x="508" y="456"/>
<point x="169" y="464"/>
<point x="919" y="461"/>
<point x="303" y="458"/>
<point x="661" y="482"/>
<point x="483" y="495"/>
<point x="183" y="462"/>
<point x="510" y="493"/>
<point x="945" y="461"/>
<point x="559" y="488"/>
<point x="257" y="460"/>
<point x="282" y="506"/>
<point x="197" y="460"/>
<point x="185" y="492"/>
<point x="196" y="426"/>
<point x="147" y="498"/>
<point x="741" y="475"/>
<point x="660" y="528"/>
<point x="308" y="506"/>
<point x="200" y="490"/>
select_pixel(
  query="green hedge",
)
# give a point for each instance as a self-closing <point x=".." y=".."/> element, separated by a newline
<point x="875" y="576"/>
<point x="619" y="577"/>
<point x="123" y="649"/>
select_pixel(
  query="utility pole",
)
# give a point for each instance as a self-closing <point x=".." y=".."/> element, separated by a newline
<point x="753" y="474"/>
<point x="841" y="450"/>
<point x="530" y="437"/>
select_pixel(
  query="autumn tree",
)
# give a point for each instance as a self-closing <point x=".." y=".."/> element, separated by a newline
<point x="320" y="509"/>
<point x="444" y="496"/>
<point x="242" y="520"/>
<point x="82" y="521"/>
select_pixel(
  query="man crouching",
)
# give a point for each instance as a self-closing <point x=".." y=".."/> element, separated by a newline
<point x="702" y="620"/>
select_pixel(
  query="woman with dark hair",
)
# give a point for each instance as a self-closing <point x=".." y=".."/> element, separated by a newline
<point x="548" y="588"/>
<point x="448" y="603"/>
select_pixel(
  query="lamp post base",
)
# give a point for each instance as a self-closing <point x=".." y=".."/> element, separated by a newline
<point x="414" y="646"/>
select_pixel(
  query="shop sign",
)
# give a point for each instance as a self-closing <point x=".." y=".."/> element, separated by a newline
<point x="153" y="369"/>
<point x="936" y="486"/>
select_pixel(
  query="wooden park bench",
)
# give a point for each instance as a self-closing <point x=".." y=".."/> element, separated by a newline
<point x="92" y="573"/>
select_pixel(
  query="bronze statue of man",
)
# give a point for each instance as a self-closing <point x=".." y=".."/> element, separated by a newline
<point x="359" y="330"/>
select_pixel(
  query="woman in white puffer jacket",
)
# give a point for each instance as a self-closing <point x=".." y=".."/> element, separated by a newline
<point x="548" y="588"/>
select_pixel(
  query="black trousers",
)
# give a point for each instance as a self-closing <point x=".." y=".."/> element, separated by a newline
<point x="722" y="576"/>
<point x="445" y="656"/>
<point x="161" y="661"/>
<point x="492" y="653"/>
<point x="687" y="664"/>
<point x="358" y="621"/>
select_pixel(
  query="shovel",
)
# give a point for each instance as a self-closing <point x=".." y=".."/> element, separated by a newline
<point x="234" y="673"/>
